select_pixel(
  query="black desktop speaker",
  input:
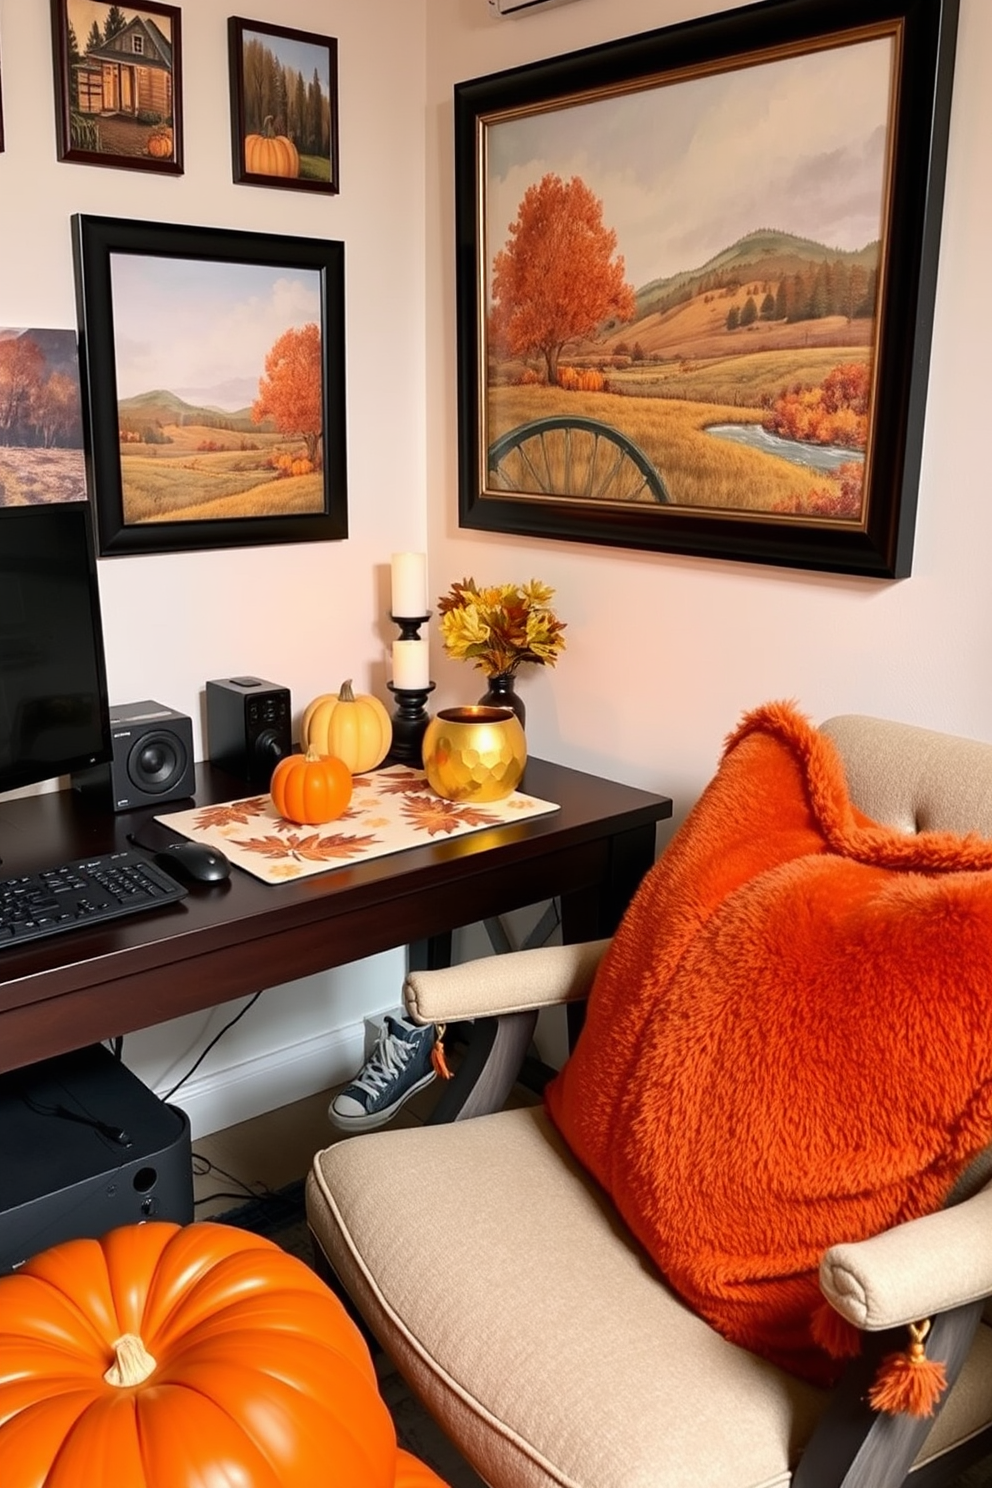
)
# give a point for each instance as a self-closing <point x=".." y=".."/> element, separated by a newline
<point x="152" y="763"/>
<point x="249" y="727"/>
<point x="87" y="1147"/>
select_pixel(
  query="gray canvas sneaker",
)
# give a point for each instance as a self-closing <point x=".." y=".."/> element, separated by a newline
<point x="399" y="1066"/>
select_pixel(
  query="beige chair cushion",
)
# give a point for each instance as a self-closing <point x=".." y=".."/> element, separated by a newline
<point x="537" y="1331"/>
<point x="502" y="1284"/>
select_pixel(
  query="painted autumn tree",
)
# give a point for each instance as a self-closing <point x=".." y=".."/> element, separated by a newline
<point x="557" y="279"/>
<point x="56" y="414"/>
<point x="291" y="391"/>
<point x="22" y="370"/>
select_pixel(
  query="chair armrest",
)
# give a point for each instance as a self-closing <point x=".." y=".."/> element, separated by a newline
<point x="854" y="1446"/>
<point x="914" y="1270"/>
<point x="493" y="985"/>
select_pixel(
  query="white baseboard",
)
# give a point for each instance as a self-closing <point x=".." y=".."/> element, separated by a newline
<point x="252" y="1086"/>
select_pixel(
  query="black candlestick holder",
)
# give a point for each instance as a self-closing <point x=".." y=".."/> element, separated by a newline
<point x="410" y="625"/>
<point x="410" y="720"/>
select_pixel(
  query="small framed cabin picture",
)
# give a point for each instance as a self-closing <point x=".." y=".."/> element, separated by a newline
<point x="118" y="85"/>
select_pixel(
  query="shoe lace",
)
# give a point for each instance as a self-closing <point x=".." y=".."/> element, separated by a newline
<point x="388" y="1059"/>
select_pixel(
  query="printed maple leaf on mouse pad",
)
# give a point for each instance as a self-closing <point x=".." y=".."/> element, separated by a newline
<point x="391" y="810"/>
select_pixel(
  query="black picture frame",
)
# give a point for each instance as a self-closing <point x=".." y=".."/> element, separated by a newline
<point x="119" y="102"/>
<point x="151" y="296"/>
<point x="303" y="147"/>
<point x="520" y="488"/>
<point x="2" y="147"/>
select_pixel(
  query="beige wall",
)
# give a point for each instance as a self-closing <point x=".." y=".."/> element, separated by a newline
<point x="664" y="652"/>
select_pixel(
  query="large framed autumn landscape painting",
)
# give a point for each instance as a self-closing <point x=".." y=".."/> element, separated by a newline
<point x="695" y="285"/>
<point x="212" y="366"/>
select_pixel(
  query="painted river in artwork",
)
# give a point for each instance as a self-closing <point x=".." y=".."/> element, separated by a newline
<point x="814" y="456"/>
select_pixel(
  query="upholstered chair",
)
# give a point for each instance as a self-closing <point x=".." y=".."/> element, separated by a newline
<point x="500" y="1275"/>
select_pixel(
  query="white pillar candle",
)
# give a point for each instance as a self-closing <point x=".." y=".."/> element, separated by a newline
<point x="411" y="664"/>
<point x="409" y="584"/>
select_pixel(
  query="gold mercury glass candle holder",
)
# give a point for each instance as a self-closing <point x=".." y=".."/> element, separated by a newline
<point x="474" y="753"/>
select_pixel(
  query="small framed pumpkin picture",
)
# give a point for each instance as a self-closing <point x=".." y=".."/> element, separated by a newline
<point x="284" y="106"/>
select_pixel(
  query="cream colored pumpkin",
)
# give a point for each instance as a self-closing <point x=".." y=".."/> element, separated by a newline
<point x="354" y="727"/>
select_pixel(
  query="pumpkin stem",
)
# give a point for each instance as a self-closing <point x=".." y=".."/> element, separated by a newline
<point x="346" y="694"/>
<point x="132" y="1362"/>
<point x="268" y="127"/>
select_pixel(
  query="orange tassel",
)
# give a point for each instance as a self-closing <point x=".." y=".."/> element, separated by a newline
<point x="437" y="1055"/>
<point x="834" y="1334"/>
<point x="910" y="1383"/>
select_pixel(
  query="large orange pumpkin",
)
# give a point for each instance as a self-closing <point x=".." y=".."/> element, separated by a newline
<point x="311" y="788"/>
<point x="170" y="1357"/>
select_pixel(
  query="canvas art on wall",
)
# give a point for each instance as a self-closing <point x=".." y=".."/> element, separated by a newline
<point x="214" y="378"/>
<point x="41" y="431"/>
<point x="284" y="106"/>
<point x="695" y="270"/>
<point x="118" y="84"/>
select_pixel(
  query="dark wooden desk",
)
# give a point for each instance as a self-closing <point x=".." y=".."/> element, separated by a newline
<point x="226" y="940"/>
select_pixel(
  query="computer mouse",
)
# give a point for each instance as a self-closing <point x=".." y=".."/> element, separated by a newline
<point x="195" y="861"/>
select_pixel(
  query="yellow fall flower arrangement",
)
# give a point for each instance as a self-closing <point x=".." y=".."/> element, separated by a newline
<point x="500" y="627"/>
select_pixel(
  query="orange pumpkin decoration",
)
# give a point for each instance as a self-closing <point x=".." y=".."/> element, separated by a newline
<point x="311" y="788"/>
<point x="159" y="145"/>
<point x="271" y="154"/>
<point x="167" y="1356"/>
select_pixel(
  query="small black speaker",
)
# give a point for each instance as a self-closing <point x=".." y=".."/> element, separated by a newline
<point x="152" y="763"/>
<point x="249" y="727"/>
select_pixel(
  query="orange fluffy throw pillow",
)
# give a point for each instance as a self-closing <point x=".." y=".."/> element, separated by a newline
<point x="789" y="1041"/>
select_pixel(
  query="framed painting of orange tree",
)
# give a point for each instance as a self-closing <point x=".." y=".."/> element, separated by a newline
<point x="212" y="368"/>
<point x="695" y="282"/>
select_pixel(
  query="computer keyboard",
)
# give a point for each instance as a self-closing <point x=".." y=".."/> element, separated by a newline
<point x="87" y="892"/>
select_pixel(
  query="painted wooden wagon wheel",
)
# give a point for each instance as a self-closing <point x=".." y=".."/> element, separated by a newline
<point x="574" y="456"/>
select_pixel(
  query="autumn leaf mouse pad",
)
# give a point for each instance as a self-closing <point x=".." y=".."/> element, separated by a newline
<point x="390" y="811"/>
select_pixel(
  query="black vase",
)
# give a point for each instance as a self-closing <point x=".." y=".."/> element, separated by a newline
<point x="501" y="693"/>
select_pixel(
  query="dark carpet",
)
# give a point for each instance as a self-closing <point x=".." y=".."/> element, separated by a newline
<point x="281" y="1217"/>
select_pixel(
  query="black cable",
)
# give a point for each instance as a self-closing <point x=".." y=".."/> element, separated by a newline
<point x="261" y="1191"/>
<point x="261" y="1194"/>
<point x="107" y="1129"/>
<point x="221" y="1194"/>
<point x="196" y="1065"/>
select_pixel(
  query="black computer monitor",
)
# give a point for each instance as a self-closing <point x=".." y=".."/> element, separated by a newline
<point x="54" y="716"/>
